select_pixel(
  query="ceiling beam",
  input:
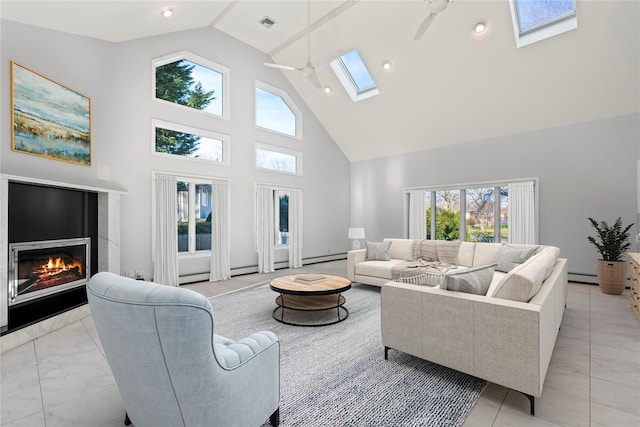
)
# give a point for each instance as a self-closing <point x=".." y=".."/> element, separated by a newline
<point x="314" y="26"/>
<point x="224" y="13"/>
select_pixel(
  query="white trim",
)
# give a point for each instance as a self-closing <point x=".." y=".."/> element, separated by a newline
<point x="179" y="177"/>
<point x="16" y="178"/>
<point x="465" y="186"/>
<point x="226" y="141"/>
<point x="537" y="34"/>
<point x="203" y="62"/>
<point x="459" y="186"/>
<point x="275" y="149"/>
<point x="282" y="187"/>
<point x="287" y="99"/>
<point x="346" y="80"/>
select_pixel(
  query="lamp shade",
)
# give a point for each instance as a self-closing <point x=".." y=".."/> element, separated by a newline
<point x="356" y="233"/>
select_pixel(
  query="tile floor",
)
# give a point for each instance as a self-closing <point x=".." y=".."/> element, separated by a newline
<point x="62" y="378"/>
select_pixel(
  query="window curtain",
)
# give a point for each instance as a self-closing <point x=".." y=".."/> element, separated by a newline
<point x="295" y="229"/>
<point x="417" y="215"/>
<point x="522" y="225"/>
<point x="220" y="243"/>
<point x="265" y="227"/>
<point x="165" y="265"/>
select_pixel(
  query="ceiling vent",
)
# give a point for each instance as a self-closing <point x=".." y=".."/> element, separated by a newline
<point x="267" y="22"/>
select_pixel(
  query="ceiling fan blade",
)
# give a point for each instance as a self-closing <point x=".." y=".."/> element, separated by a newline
<point x="280" y="66"/>
<point x="313" y="78"/>
<point x="423" y="27"/>
<point x="327" y="59"/>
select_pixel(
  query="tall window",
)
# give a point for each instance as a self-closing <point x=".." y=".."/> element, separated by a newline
<point x="194" y="206"/>
<point x="175" y="140"/>
<point x="427" y="203"/>
<point x="447" y="215"/>
<point x="277" y="159"/>
<point x="191" y="81"/>
<point x="276" y="112"/>
<point x="504" y="214"/>
<point x="479" y="213"/>
<point x="535" y="20"/>
<point x="282" y="217"/>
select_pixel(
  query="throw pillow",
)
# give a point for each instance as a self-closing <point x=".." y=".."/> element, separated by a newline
<point x="472" y="280"/>
<point x="402" y="249"/>
<point x="448" y="251"/>
<point x="509" y="257"/>
<point x="428" y="250"/>
<point x="378" y="251"/>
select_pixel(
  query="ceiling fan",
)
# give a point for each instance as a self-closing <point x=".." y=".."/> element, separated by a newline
<point x="435" y="7"/>
<point x="309" y="69"/>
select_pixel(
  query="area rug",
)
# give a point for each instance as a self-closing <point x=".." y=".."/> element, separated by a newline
<point x="337" y="376"/>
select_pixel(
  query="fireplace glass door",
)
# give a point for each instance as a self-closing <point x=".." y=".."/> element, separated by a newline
<point x="37" y="269"/>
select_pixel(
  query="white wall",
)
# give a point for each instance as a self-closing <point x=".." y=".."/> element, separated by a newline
<point x="585" y="170"/>
<point x="118" y="79"/>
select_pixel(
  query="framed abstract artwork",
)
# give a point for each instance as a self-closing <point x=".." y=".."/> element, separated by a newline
<point x="49" y="119"/>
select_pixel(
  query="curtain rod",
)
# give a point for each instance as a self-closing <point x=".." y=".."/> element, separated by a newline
<point x="278" y="186"/>
<point x="470" y="185"/>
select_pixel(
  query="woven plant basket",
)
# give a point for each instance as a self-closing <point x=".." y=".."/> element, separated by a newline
<point x="612" y="276"/>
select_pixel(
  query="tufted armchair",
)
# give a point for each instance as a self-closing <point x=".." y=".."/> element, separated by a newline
<point x="171" y="369"/>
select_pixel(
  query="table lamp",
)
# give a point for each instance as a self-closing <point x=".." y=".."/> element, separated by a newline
<point x="356" y="234"/>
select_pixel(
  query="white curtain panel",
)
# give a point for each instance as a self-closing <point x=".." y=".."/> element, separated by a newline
<point x="265" y="227"/>
<point x="220" y="243"/>
<point x="295" y="229"/>
<point x="417" y="215"/>
<point x="165" y="265"/>
<point x="522" y="224"/>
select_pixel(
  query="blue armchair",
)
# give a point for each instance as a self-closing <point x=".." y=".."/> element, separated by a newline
<point x="171" y="369"/>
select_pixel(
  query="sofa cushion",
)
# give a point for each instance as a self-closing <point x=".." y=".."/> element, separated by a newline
<point x="485" y="253"/>
<point x="475" y="280"/>
<point x="465" y="253"/>
<point x="428" y="250"/>
<point x="448" y="251"/>
<point x="508" y="257"/>
<point x="378" y="251"/>
<point x="524" y="281"/>
<point x="381" y="269"/>
<point x="407" y="249"/>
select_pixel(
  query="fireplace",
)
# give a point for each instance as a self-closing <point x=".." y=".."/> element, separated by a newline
<point x="42" y="268"/>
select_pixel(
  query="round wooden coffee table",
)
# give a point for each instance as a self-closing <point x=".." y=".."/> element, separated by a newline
<point x="310" y="292"/>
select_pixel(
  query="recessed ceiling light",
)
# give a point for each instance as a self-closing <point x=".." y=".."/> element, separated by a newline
<point x="479" y="27"/>
<point x="167" y="12"/>
<point x="327" y="89"/>
<point x="387" y="65"/>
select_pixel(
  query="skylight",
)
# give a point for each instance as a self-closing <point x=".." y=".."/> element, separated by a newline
<point x="354" y="76"/>
<point x="535" y="20"/>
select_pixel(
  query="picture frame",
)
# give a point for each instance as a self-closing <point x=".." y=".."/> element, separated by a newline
<point x="49" y="119"/>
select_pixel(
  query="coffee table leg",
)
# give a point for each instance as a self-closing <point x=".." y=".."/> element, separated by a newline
<point x="282" y="301"/>
<point x="338" y="306"/>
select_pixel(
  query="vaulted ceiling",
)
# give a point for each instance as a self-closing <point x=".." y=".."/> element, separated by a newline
<point x="450" y="87"/>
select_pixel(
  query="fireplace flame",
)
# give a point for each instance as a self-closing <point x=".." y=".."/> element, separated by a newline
<point x="57" y="266"/>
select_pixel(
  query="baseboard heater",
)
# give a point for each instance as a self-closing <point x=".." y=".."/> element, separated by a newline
<point x="250" y="269"/>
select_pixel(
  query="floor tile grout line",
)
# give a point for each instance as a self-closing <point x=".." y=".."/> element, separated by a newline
<point x="35" y="352"/>
<point x="95" y="342"/>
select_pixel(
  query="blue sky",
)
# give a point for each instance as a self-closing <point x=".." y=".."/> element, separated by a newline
<point x="46" y="99"/>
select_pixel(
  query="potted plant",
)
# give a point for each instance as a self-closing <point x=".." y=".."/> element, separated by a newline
<point x="612" y="242"/>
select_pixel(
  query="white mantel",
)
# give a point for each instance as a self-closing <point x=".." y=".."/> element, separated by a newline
<point x="108" y="229"/>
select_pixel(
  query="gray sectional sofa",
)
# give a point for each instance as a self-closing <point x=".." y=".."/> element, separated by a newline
<point x="506" y="336"/>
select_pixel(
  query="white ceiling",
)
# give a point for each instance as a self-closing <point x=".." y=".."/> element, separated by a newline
<point x="450" y="87"/>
